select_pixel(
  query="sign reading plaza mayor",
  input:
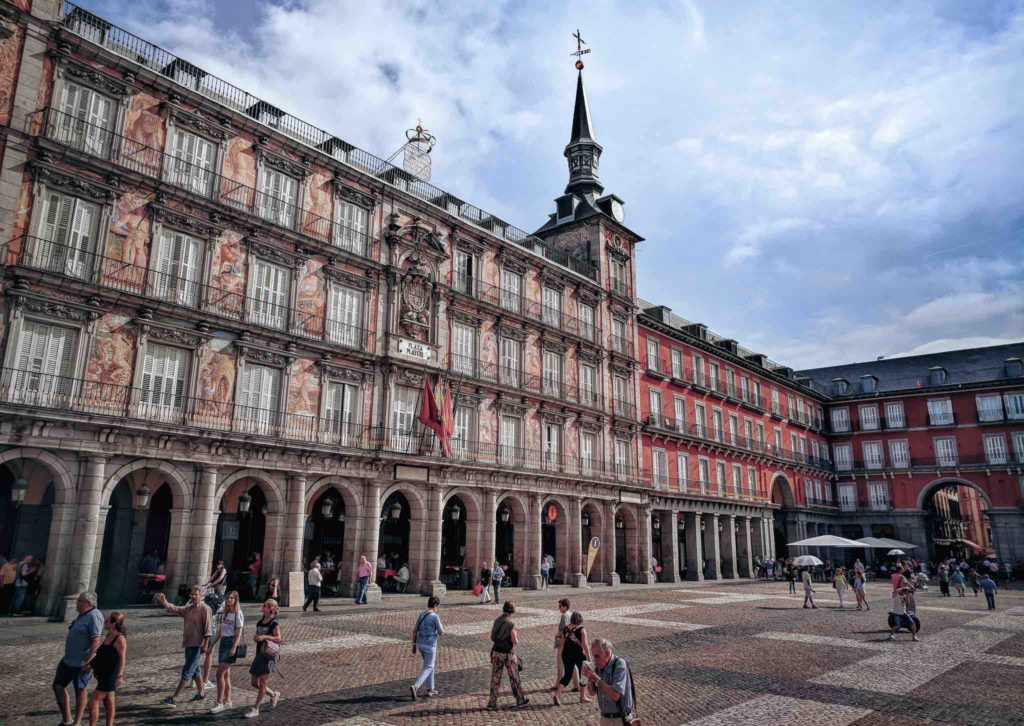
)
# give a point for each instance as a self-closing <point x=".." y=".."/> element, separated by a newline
<point x="413" y="349"/>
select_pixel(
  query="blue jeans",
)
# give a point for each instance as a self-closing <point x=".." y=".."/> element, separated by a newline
<point x="545" y="579"/>
<point x="19" y="598"/>
<point x="497" y="590"/>
<point x="193" y="655"/>
<point x="364" y="582"/>
<point x="990" y="598"/>
<point x="429" y="653"/>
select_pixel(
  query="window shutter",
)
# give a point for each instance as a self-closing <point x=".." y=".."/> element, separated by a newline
<point x="189" y="270"/>
<point x="79" y="240"/>
<point x="99" y="120"/>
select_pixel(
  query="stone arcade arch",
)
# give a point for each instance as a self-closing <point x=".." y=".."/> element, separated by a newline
<point x="511" y="537"/>
<point x="627" y="544"/>
<point x="555" y="537"/>
<point x="467" y="533"/>
<point x="943" y="526"/>
<point x="410" y="529"/>
<point x="592" y="525"/>
<point x="348" y="502"/>
<point x="246" y="533"/>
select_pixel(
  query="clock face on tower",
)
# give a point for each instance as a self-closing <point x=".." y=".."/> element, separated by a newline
<point x="618" y="213"/>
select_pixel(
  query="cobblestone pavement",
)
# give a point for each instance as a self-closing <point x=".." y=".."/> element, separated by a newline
<point x="717" y="654"/>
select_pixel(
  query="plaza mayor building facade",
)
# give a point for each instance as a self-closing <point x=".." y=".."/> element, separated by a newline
<point x="218" y="321"/>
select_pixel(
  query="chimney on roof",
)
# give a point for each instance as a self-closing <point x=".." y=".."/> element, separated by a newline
<point x="730" y="345"/>
<point x="659" y="312"/>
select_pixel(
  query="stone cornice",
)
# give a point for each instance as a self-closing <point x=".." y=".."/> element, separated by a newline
<point x="273" y="253"/>
<point x="349" y="279"/>
<point x="93" y="77"/>
<point x="99" y="192"/>
<point x="197" y="123"/>
<point x="185" y="222"/>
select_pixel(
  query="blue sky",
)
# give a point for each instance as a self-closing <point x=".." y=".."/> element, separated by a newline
<point x="825" y="182"/>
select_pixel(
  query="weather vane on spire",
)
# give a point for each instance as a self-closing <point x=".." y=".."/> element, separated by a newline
<point x="580" y="52"/>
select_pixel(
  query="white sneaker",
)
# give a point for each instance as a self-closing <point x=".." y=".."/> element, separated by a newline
<point x="273" y="699"/>
<point x="915" y="638"/>
<point x="218" y="708"/>
<point x="210" y="684"/>
<point x="892" y="636"/>
<point x="252" y="713"/>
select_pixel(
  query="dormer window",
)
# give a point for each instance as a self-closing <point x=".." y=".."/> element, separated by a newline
<point x="840" y="386"/>
<point x="868" y="384"/>
<point x="1014" y="368"/>
<point x="936" y="376"/>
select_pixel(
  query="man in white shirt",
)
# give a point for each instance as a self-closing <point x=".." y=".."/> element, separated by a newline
<point x="898" y="616"/>
<point x="314" y="579"/>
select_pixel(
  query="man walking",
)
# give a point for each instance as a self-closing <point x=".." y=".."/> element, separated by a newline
<point x="195" y="639"/>
<point x="80" y="645"/>
<point x="613" y="684"/>
<point x="314" y="579"/>
<point x="21" y="580"/>
<point x="497" y="575"/>
<point x="364" y="573"/>
<point x="988" y="586"/>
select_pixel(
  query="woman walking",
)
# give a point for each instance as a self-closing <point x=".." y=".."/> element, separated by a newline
<point x="858" y="590"/>
<point x="791" y="579"/>
<point x="565" y="614"/>
<point x="972" y="577"/>
<point x="228" y="636"/>
<point x="958" y="581"/>
<point x="497" y="575"/>
<point x="805" y="577"/>
<point x="839" y="583"/>
<point x="485" y="584"/>
<point x="503" y="658"/>
<point x="108" y="667"/>
<point x="268" y="648"/>
<point x="944" y="580"/>
<point x="424" y="638"/>
<point x="575" y="650"/>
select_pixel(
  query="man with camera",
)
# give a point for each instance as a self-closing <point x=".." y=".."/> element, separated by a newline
<point x="610" y="679"/>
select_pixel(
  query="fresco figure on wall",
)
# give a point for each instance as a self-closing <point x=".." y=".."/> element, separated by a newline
<point x="227" y="282"/>
<point x="311" y="301"/>
<point x="216" y="384"/>
<point x="109" y="372"/>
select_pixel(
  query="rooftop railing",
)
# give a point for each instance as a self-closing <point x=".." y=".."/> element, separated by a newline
<point x="80" y="21"/>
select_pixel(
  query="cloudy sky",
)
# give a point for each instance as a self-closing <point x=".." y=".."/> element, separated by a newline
<point x="825" y="182"/>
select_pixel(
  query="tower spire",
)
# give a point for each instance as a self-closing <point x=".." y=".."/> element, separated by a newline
<point x="582" y="152"/>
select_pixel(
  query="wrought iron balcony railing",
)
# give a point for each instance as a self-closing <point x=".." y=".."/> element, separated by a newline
<point x="83" y="264"/>
<point x="489" y="371"/>
<point x="202" y="181"/>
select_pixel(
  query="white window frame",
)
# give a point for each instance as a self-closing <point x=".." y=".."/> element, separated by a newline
<point x="868" y="415"/>
<point x="842" y="455"/>
<point x="464" y="348"/>
<point x="996" y="452"/>
<point x="945" y="454"/>
<point x="989" y="413"/>
<point x="659" y="468"/>
<point x="351" y="226"/>
<point x="340" y="419"/>
<point x="163" y="382"/>
<point x="840" y="418"/>
<point x="899" y="453"/>
<point x="511" y="294"/>
<point x="895" y="415"/>
<point x="677" y="364"/>
<point x="942" y="417"/>
<point x="551" y="308"/>
<point x="874" y="455"/>
<point x="278" y="196"/>
<point x="261" y="308"/>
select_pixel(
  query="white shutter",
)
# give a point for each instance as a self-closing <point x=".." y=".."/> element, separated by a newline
<point x="463" y="349"/>
<point x="346" y="316"/>
<point x="75" y="108"/>
<point x="203" y="163"/>
<point x="509" y="361"/>
<point x="80" y="239"/>
<point x="163" y="381"/>
<point x="269" y="290"/>
<point x="97" y="136"/>
<point x="44" y="362"/>
<point x="163" y="283"/>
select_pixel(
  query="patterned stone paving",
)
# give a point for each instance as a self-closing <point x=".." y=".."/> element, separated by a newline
<point x="732" y="653"/>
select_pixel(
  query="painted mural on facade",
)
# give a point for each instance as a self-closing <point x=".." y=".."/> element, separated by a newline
<point x="303" y="394"/>
<point x="21" y="218"/>
<point x="227" y="276"/>
<point x="317" y="202"/>
<point x="126" y="248"/>
<point x="10" y="54"/>
<point x="311" y="299"/>
<point x="109" y="371"/>
<point x="240" y="166"/>
<point x="216" y="383"/>
<point x="144" y="125"/>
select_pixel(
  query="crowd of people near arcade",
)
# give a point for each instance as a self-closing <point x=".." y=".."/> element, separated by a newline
<point x="21" y="581"/>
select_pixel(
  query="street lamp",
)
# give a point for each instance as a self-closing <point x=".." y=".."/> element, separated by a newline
<point x="585" y="519"/>
<point x="19" y="488"/>
<point x="264" y="510"/>
<point x="396" y="510"/>
<point x="327" y="508"/>
<point x="142" y="495"/>
<point x="656" y="523"/>
<point x="682" y="525"/>
<point x="505" y="515"/>
<point x="244" y="502"/>
<point x="619" y="524"/>
<point x="341" y="515"/>
<point x="454" y="513"/>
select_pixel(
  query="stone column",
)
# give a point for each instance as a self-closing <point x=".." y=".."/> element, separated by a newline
<point x="204" y="527"/>
<point x="755" y="528"/>
<point x="83" y="543"/>
<point x="711" y="551"/>
<point x="430" y="583"/>
<point x="644" y="573"/>
<point x="729" y="550"/>
<point x="370" y="529"/>
<point x="694" y="548"/>
<point x="294" y="529"/>
<point x="743" y="544"/>
<point x="669" y="548"/>
<point x="608" y="545"/>
<point x="488" y="523"/>
<point x="769" y="526"/>
<point x="575" y="528"/>
<point x="531" y="578"/>
<point x="1007" y="533"/>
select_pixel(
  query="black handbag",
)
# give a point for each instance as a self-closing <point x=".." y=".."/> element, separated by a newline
<point x="241" y="651"/>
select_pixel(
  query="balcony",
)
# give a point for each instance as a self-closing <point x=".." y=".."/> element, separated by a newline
<point x="620" y="287"/>
<point x="841" y="427"/>
<point x="695" y="487"/>
<point x="85" y="266"/>
<point x="816" y="502"/>
<point x="879" y="504"/>
<point x="513" y="377"/>
<point x="752" y="400"/>
<point x="98" y="142"/>
<point x="623" y="408"/>
<point x="895" y="424"/>
<point x="656" y="368"/>
<point x="990" y="416"/>
<point x="942" y="418"/>
<point x="622" y="345"/>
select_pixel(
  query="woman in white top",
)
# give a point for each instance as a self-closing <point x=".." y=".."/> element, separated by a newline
<point x="229" y="635"/>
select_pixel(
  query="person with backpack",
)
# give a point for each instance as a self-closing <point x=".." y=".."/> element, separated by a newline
<point x="268" y="651"/>
<point x="497" y="575"/>
<point x="609" y="678"/>
<point x="504" y="640"/>
<point x="574" y="654"/>
<point x="424" y="638"/>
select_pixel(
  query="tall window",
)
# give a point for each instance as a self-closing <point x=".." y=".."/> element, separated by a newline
<point x="652" y="355"/>
<point x="682" y="468"/>
<point x="677" y="364"/>
<point x="679" y="410"/>
<point x="192" y="165"/>
<point x="278" y="193"/>
<point x="177" y="277"/>
<point x="776" y="408"/>
<point x="350" y="226"/>
<point x="894" y="415"/>
<point x="848" y="497"/>
<point x="655" y="404"/>
<point x="1014" y="405"/>
<point x="716" y="420"/>
<point x="620" y="391"/>
<point x="588" y="451"/>
<point x="698" y="371"/>
<point x="899" y="453"/>
<point x="1018" y="446"/>
<point x="462" y="437"/>
<point x="760" y="434"/>
<point x="44" y="361"/>
<point x="345" y="316"/>
<point x="878" y="495"/>
<point x="995" y="449"/>
<point x="341" y="412"/>
<point x="748" y="431"/>
<point x="752" y="480"/>
<point x="623" y="463"/>
<point x="69" y="230"/>
<point x="730" y="381"/>
<point x="587" y="326"/>
<point x="869" y="418"/>
<point x="259" y="394"/>
<point x="588" y="385"/>
<point x="720" y="476"/>
<point x="85" y="120"/>
<point x="713" y="373"/>
<point x="511" y="355"/>
<point x="465" y="272"/>
<point x="945" y="451"/>
<point x="843" y="454"/>
<point x="268" y="294"/>
<point x="511" y="438"/>
<point x="552" y="312"/>
<point x="990" y="407"/>
<point x="403" y="419"/>
<point x="659" y="464"/>
<point x="840" y="419"/>
<point x="552" y="372"/>
<point x="511" y="291"/>
<point x="552" y="445"/>
<point x="735" y="437"/>
<point x="464" y="349"/>
<point x="620" y="342"/>
<point x="164" y="371"/>
<point x="700" y="419"/>
<point x="873" y="455"/>
<point x="777" y="434"/>
<point x="737" y="479"/>
<point x="940" y="411"/>
<point x="703" y="473"/>
<point x="618" y="277"/>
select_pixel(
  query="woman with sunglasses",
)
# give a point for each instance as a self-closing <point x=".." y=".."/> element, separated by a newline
<point x="108" y="666"/>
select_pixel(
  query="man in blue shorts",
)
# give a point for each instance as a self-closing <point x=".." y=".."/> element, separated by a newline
<point x="84" y="636"/>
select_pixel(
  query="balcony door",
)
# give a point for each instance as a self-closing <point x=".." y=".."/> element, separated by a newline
<point x="341" y="413"/>
<point x="164" y="370"/>
<point x="176" y="278"/>
<point x="86" y="119"/>
<point x="69" y="236"/>
<point x="192" y="166"/>
<point x="43" y="365"/>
